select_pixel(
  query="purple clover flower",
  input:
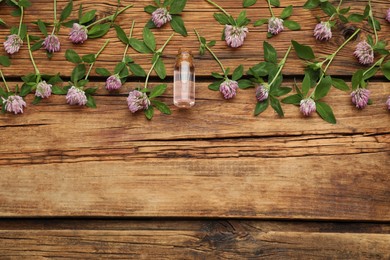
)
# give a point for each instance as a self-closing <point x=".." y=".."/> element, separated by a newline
<point x="228" y="88"/>
<point x="360" y="97"/>
<point x="307" y="106"/>
<point x="261" y="93"/>
<point x="364" y="53"/>
<point x="76" y="96"/>
<point x="234" y="35"/>
<point x="43" y="90"/>
<point x="13" y="43"/>
<point x="160" y="17"/>
<point x="275" y="25"/>
<point x="113" y="82"/>
<point x="137" y="101"/>
<point x="388" y="101"/>
<point x="78" y="34"/>
<point x="388" y="15"/>
<point x="323" y="31"/>
<point x="52" y="43"/>
<point x="14" y="104"/>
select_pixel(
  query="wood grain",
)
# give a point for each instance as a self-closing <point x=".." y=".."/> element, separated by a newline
<point x="198" y="14"/>
<point x="163" y="239"/>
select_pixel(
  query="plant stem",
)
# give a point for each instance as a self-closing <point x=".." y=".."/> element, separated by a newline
<point x="5" y="82"/>
<point x="220" y="8"/>
<point x="281" y="65"/>
<point x="110" y="17"/>
<point x="270" y="8"/>
<point x="373" y="22"/>
<point x="21" y="20"/>
<point x="96" y="56"/>
<point x="55" y="11"/>
<point x="158" y="57"/>
<point x="379" y="62"/>
<point x="31" y="57"/>
<point x="127" y="45"/>
<point x="212" y="53"/>
<point x="337" y="9"/>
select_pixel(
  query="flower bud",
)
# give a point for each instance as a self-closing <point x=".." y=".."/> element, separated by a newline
<point x="234" y="35"/>
<point x="52" y="43"/>
<point x="323" y="31"/>
<point x="12" y="44"/>
<point x="307" y="106"/>
<point x="228" y="88"/>
<point x="14" y="104"/>
<point x="43" y="90"/>
<point x="113" y="83"/>
<point x="160" y="17"/>
<point x="360" y="97"/>
<point x="262" y="93"/>
<point x="76" y="96"/>
<point x="137" y="101"/>
<point x="78" y="34"/>
<point x="364" y="53"/>
<point x="275" y="25"/>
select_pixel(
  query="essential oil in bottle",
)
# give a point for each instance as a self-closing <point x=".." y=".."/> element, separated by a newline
<point x="184" y="80"/>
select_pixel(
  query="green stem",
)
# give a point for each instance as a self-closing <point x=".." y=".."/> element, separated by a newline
<point x="21" y="20"/>
<point x="110" y="17"/>
<point x="212" y="53"/>
<point x="31" y="56"/>
<point x="127" y="45"/>
<point x="158" y="57"/>
<point x="378" y="63"/>
<point x="96" y="56"/>
<point x="270" y="8"/>
<point x="55" y="11"/>
<point x="5" y="82"/>
<point x="220" y="8"/>
<point x="281" y="65"/>
<point x="373" y="22"/>
<point x="337" y="10"/>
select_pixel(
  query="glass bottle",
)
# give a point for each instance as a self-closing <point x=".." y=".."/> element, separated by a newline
<point x="184" y="80"/>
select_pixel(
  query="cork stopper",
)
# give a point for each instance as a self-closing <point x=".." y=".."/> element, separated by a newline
<point x="184" y="55"/>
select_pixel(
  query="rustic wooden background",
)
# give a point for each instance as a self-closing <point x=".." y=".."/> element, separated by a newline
<point x="210" y="182"/>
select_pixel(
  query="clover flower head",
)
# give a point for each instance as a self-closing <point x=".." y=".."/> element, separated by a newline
<point x="52" y="43"/>
<point x="228" y="88"/>
<point x="113" y="82"/>
<point x="388" y="103"/>
<point x="13" y="43"/>
<point x="275" y="25"/>
<point x="262" y="92"/>
<point x="360" y="97"/>
<point x="137" y="101"/>
<point x="388" y="15"/>
<point x="160" y="17"/>
<point x="43" y="90"/>
<point x="322" y="31"/>
<point x="78" y="34"/>
<point x="235" y="35"/>
<point x="14" y="104"/>
<point x="364" y="53"/>
<point x="307" y="106"/>
<point x="76" y="96"/>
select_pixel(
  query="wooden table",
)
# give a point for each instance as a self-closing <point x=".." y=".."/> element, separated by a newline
<point x="210" y="182"/>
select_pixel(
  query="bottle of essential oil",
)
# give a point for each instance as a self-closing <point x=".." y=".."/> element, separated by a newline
<point x="184" y="80"/>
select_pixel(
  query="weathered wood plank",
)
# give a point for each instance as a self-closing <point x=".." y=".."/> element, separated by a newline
<point x="193" y="240"/>
<point x="198" y="14"/>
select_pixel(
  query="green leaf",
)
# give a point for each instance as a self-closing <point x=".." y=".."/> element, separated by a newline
<point x="69" y="24"/>
<point x="275" y="3"/>
<point x="58" y="91"/>
<point x="72" y="56"/>
<point x="221" y="18"/>
<point x="177" y="25"/>
<point x="158" y="91"/>
<point x="215" y="85"/>
<point x="150" y="9"/>
<point x="242" y="20"/>
<point x="303" y="51"/>
<point x="128" y="59"/>
<point x="89" y="58"/>
<point x="5" y="61"/>
<point x="238" y="72"/>
<point x="344" y="10"/>
<point x="159" y="68"/>
<point x="277" y="92"/>
<point x="24" y="3"/>
<point x="102" y="72"/>
<point x="270" y="54"/>
<point x="245" y="83"/>
<point x="26" y="89"/>
<point x="119" y="67"/>
<point x="99" y="30"/>
<point x="376" y="23"/>
<point x="328" y="8"/>
<point x="66" y="11"/>
<point x="139" y="46"/>
<point x="36" y="100"/>
<point x="357" y="79"/>
<point x="356" y="18"/>
<point x="211" y="43"/>
<point x="247" y="3"/>
<point x="78" y="73"/>
<point x="87" y="17"/>
<point x="149" y="112"/>
<point x="293" y="99"/>
<point x="306" y="84"/>
<point x="91" y="101"/>
<point x="2" y="23"/>
<point x="261" y="107"/>
<point x="162" y="107"/>
<point x="177" y="6"/>
<point x="137" y="70"/>
<point x="23" y="31"/>
<point x="260" y="22"/>
<point x="311" y="4"/>
<point x="292" y="25"/>
<point x="287" y="12"/>
<point x="275" y="104"/>
<point x="42" y="27"/>
<point x="121" y="34"/>
<point x="386" y="70"/>
<point x="150" y="24"/>
<point x="216" y="75"/>
<point x="323" y="88"/>
<point x="325" y="112"/>
<point x="37" y="45"/>
<point x="340" y="84"/>
<point x="149" y="39"/>
<point x="90" y="91"/>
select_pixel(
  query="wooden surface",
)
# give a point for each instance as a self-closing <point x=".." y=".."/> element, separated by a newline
<point x="266" y="180"/>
